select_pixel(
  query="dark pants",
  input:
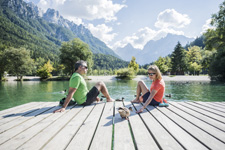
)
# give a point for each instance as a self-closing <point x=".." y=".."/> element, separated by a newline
<point x="91" y="96"/>
<point x="153" y="102"/>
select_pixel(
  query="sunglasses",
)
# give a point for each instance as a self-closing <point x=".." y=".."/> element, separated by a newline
<point x="151" y="74"/>
<point x="85" y="67"/>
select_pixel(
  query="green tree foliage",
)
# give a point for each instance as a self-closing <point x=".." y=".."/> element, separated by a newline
<point x="125" y="73"/>
<point x="164" y="64"/>
<point x="178" y="60"/>
<point x="73" y="51"/>
<point x="217" y="67"/>
<point x="207" y="58"/>
<point x="2" y="64"/>
<point x="199" y="41"/>
<point x="45" y="71"/>
<point x="18" y="62"/>
<point x="106" y="62"/>
<point x="142" y="71"/>
<point x="215" y="40"/>
<point x="16" y="32"/>
<point x="133" y="64"/>
<point x="194" y="58"/>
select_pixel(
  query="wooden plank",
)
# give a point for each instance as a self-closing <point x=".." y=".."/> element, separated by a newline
<point x="199" y="116"/>
<point x="216" y="105"/>
<point x="122" y="135"/>
<point x="164" y="139"/>
<point x="83" y="137"/>
<point x="20" y="112"/>
<point x="209" y="141"/>
<point x="204" y="112"/>
<point x="182" y="136"/>
<point x="39" y="140"/>
<point x="220" y="135"/>
<point x="220" y="103"/>
<point x="10" y="110"/>
<point x="24" y="126"/>
<point x="23" y="137"/>
<point x="62" y="139"/>
<point x="23" y="118"/>
<point x="209" y="109"/>
<point x="142" y="136"/>
<point x="103" y="136"/>
<point x="212" y="107"/>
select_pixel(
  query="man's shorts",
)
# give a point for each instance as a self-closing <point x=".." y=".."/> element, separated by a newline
<point x="91" y="96"/>
<point x="153" y="102"/>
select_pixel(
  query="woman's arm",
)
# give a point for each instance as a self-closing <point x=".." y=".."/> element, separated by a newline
<point x="148" y="101"/>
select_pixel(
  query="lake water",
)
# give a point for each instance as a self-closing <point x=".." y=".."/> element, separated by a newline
<point x="17" y="93"/>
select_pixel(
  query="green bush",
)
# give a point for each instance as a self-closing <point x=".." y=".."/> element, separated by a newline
<point x="125" y="73"/>
<point x="142" y="71"/>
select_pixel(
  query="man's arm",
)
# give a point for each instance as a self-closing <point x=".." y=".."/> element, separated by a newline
<point x="68" y="99"/>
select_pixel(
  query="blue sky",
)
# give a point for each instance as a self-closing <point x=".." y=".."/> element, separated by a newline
<point x="119" y="22"/>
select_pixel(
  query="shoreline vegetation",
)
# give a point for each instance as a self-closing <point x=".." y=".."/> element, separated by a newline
<point x="113" y="77"/>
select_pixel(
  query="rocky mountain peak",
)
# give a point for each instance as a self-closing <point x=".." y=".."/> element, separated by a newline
<point x="52" y="16"/>
<point x="21" y="8"/>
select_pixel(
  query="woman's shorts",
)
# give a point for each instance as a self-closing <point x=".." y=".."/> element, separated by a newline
<point x="153" y="102"/>
<point x="91" y="96"/>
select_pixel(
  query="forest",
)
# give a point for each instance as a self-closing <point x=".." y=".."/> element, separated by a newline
<point x="24" y="51"/>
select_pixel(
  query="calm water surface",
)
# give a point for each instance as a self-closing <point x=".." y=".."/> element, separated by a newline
<point x="16" y="93"/>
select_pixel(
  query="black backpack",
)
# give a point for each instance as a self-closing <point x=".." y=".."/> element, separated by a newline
<point x="72" y="101"/>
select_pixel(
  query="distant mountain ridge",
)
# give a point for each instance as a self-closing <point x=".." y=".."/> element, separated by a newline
<point x="153" y="49"/>
<point x="39" y="27"/>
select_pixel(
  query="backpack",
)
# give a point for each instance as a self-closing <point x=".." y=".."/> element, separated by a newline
<point x="72" y="101"/>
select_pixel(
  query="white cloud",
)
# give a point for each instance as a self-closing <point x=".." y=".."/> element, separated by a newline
<point x="85" y="9"/>
<point x="207" y="26"/>
<point x="170" y="18"/>
<point x="144" y="35"/>
<point x="102" y="32"/>
<point x="76" y="20"/>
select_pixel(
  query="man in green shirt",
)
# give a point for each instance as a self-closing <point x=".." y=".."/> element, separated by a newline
<point x="78" y="88"/>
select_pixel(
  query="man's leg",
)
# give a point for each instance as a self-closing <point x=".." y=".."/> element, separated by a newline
<point x="102" y="88"/>
<point x="141" y="88"/>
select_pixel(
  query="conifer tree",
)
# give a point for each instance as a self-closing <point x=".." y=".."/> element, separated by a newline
<point x="178" y="60"/>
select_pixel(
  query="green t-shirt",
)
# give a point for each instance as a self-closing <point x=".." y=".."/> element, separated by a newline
<point x="78" y="82"/>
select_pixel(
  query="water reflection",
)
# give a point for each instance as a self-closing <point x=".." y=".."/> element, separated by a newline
<point x="16" y="93"/>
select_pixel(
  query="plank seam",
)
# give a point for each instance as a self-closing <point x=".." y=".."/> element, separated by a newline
<point x="198" y="118"/>
<point x="79" y="127"/>
<point x="184" y="129"/>
<point x="61" y="128"/>
<point x="202" y="113"/>
<point x="166" y="129"/>
<point x="132" y="133"/>
<point x="203" y="104"/>
<point x="27" y="128"/>
<point x="154" y="138"/>
<point x="113" y="126"/>
<point x="196" y="126"/>
<point x="25" y="120"/>
<point x="206" y="110"/>
<point x="42" y="130"/>
<point x="96" y="126"/>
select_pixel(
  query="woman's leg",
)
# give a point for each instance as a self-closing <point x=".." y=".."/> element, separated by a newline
<point x="141" y="88"/>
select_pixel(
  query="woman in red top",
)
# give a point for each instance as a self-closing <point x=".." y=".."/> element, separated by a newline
<point x="155" y="95"/>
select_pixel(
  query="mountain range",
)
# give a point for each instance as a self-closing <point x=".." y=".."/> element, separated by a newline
<point x="153" y="49"/>
<point x="24" y="24"/>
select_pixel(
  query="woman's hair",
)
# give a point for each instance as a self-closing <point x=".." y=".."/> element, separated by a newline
<point x="79" y="63"/>
<point x="156" y="70"/>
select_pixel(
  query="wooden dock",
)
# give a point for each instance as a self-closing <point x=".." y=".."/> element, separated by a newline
<point x="182" y="125"/>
